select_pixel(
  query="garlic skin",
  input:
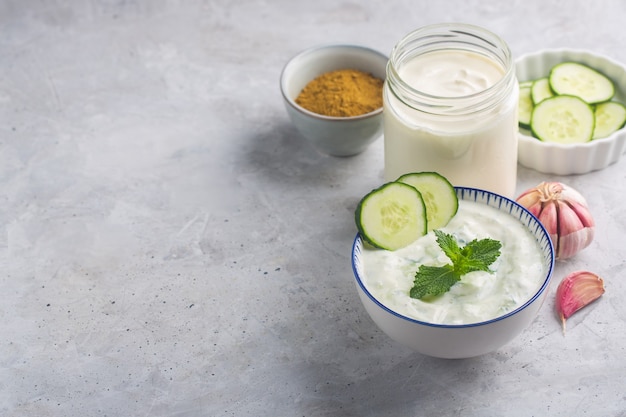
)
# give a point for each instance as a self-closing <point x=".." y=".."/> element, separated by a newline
<point x="575" y="291"/>
<point x="564" y="213"/>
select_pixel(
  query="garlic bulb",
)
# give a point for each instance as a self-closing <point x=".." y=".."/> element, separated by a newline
<point x="564" y="213"/>
<point x="575" y="291"/>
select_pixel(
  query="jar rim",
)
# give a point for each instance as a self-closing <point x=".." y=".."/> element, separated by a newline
<point x="450" y="36"/>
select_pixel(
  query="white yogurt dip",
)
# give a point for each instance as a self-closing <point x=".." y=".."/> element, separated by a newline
<point x="518" y="273"/>
<point x="451" y="73"/>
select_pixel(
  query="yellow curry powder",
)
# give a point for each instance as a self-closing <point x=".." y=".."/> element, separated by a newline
<point x="342" y="93"/>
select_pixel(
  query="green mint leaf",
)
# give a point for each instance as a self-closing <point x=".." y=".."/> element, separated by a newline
<point x="448" y="245"/>
<point x="477" y="255"/>
<point x="433" y="280"/>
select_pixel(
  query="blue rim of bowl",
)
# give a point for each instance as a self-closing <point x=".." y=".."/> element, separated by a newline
<point x="300" y="109"/>
<point x="532" y="220"/>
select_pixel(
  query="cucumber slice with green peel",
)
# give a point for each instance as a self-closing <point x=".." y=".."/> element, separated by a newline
<point x="525" y="107"/>
<point x="524" y="84"/>
<point x="438" y="194"/>
<point x="610" y="117"/>
<point x="391" y="216"/>
<point x="575" y="79"/>
<point x="541" y="90"/>
<point x="563" y="119"/>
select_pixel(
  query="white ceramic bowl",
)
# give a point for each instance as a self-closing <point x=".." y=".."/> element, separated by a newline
<point x="554" y="158"/>
<point x="467" y="340"/>
<point x="338" y="136"/>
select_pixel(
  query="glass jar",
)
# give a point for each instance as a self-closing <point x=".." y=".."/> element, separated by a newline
<point x="450" y="106"/>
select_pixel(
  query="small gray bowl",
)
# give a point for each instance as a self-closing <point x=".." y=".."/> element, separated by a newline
<point x="337" y="136"/>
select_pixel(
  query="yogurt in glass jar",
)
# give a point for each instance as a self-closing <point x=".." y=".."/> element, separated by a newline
<point x="450" y="106"/>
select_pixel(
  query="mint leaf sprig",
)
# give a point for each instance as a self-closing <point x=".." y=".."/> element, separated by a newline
<point x="477" y="255"/>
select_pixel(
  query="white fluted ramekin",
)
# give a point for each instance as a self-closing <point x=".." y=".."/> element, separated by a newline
<point x="560" y="159"/>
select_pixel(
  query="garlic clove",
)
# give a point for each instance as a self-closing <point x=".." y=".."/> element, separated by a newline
<point x="531" y="200"/>
<point x="573" y="234"/>
<point x="549" y="218"/>
<point x="575" y="291"/>
<point x="582" y="212"/>
<point x="535" y="207"/>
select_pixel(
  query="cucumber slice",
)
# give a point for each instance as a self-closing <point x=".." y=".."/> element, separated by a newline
<point x="575" y="79"/>
<point x="610" y="117"/>
<point x="525" y="107"/>
<point x="563" y="119"/>
<point x="541" y="90"/>
<point x="438" y="194"/>
<point x="391" y="216"/>
<point x="524" y="84"/>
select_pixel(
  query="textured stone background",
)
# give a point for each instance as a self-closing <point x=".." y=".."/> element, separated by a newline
<point x="172" y="247"/>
